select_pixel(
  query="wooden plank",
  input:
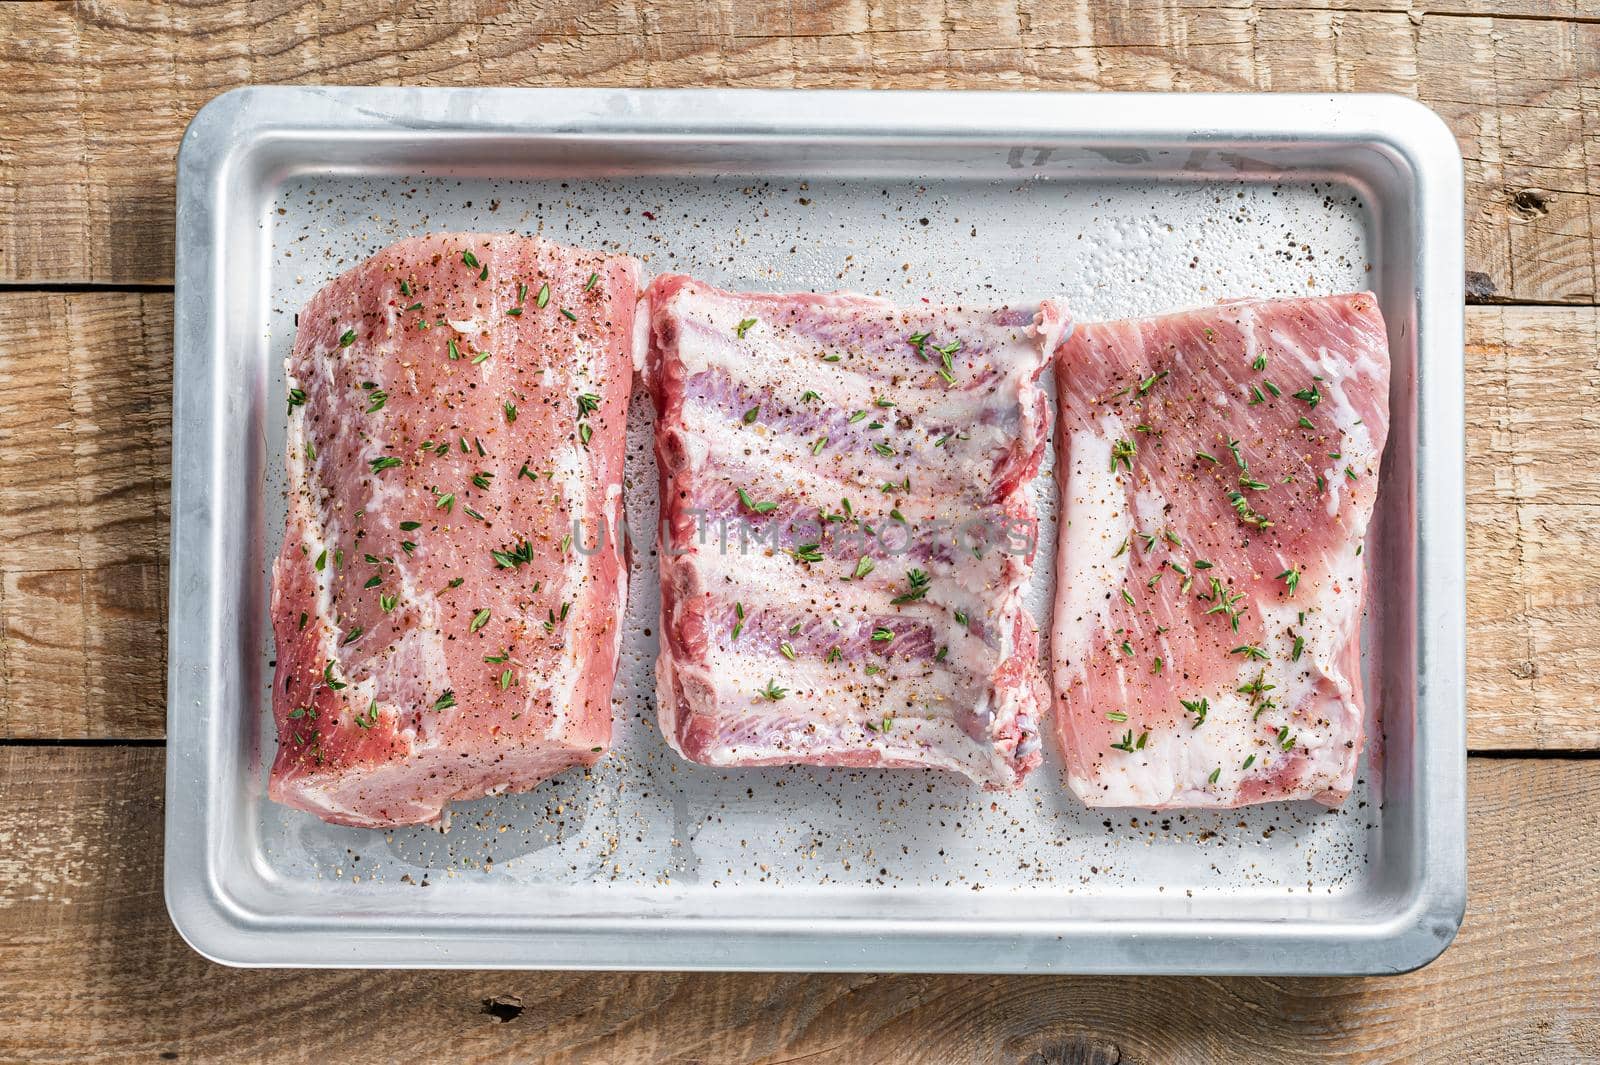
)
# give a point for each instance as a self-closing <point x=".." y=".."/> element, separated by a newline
<point x="1534" y="215"/>
<point x="1533" y="519"/>
<point x="93" y="968"/>
<point x="1536" y="9"/>
<point x="84" y="442"/>
<point x="95" y="96"/>
<point x="1533" y="406"/>
<point x="85" y="420"/>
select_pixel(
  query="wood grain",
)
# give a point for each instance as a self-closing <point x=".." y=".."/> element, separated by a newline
<point x="85" y="421"/>
<point x="84" y="443"/>
<point x="97" y="94"/>
<point x="1533" y="521"/>
<point x="94" y="971"/>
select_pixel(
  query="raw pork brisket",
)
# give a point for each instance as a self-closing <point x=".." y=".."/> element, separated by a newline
<point x="448" y="599"/>
<point x="813" y="609"/>
<point x="1218" y="471"/>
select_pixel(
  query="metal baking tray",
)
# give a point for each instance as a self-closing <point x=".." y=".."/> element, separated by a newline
<point x="1123" y="204"/>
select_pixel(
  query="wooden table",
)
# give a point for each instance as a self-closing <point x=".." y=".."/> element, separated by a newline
<point x="93" y="99"/>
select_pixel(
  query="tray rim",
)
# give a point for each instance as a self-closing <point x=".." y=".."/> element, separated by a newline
<point x="223" y="927"/>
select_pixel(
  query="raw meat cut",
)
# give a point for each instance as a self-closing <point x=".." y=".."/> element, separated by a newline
<point x="1218" y="469"/>
<point x="447" y="603"/>
<point x="845" y="530"/>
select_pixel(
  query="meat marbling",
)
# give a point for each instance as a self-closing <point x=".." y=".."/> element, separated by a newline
<point x="813" y="610"/>
<point x="1218" y="470"/>
<point x="457" y="411"/>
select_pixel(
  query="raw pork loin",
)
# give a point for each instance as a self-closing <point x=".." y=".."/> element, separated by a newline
<point x="813" y="607"/>
<point x="448" y="599"/>
<point x="1218" y="471"/>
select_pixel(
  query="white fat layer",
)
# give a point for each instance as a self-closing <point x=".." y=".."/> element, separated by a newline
<point x="841" y="691"/>
<point x="849" y="614"/>
<point x="320" y="797"/>
<point x="783" y="459"/>
<point x="321" y="532"/>
<point x="709" y="339"/>
<point x="1356" y="448"/>
<point x="422" y="642"/>
<point x="1247" y="325"/>
<point x="928" y="402"/>
<point x="569" y="471"/>
<point x="616" y="546"/>
<point x="750" y="575"/>
<point x="315" y="537"/>
<point x="1097" y="523"/>
<point x="561" y="684"/>
<point x="935" y="740"/>
<point x="641" y="335"/>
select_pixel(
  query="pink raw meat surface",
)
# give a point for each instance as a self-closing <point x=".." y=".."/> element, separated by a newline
<point x="1218" y="469"/>
<point x="439" y="637"/>
<point x="813" y="609"/>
